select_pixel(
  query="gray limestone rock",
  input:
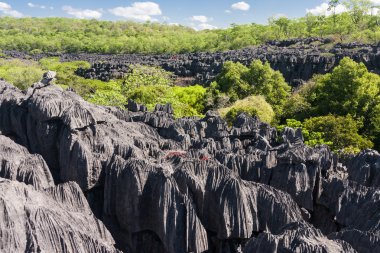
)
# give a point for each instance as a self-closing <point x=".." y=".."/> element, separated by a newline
<point x="17" y="164"/>
<point x="170" y="185"/>
<point x="57" y="219"/>
<point x="297" y="237"/>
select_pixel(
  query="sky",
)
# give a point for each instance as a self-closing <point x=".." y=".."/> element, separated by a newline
<point x="199" y="14"/>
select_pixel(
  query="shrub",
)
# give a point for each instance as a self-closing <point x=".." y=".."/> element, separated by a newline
<point x="253" y="106"/>
<point x="349" y="89"/>
<point x="21" y="73"/>
<point x="342" y="131"/>
<point x="238" y="82"/>
<point x="269" y="83"/>
<point x="231" y="82"/>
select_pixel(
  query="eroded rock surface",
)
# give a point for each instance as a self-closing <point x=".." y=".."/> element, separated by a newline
<point x="297" y="237"/>
<point x="297" y="59"/>
<point x="169" y="185"/>
<point x="17" y="164"/>
<point x="56" y="219"/>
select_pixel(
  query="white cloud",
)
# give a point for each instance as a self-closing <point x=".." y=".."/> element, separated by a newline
<point x="279" y="15"/>
<point x="201" y="23"/>
<point x="201" y="19"/>
<point x="82" y="14"/>
<point x="241" y="6"/>
<point x="7" y="10"/>
<point x="205" y="26"/>
<point x="323" y="9"/>
<point x="142" y="11"/>
<point x="32" y="5"/>
<point x="227" y="11"/>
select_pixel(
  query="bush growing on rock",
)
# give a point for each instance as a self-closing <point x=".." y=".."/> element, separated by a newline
<point x="140" y="75"/>
<point x="186" y="101"/>
<point x="349" y="91"/>
<point x="339" y="132"/>
<point x="231" y="81"/>
<point x="151" y="86"/>
<point x="253" y="106"/>
<point x="343" y="131"/>
<point x="311" y="137"/>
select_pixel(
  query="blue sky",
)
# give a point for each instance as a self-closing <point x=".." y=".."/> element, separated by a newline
<point x="199" y="14"/>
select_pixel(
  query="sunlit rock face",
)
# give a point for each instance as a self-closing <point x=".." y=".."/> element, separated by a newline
<point x="77" y="177"/>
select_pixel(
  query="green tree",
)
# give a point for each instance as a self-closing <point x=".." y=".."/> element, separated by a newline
<point x="342" y="131"/>
<point x="358" y="9"/>
<point x="338" y="132"/>
<point x="231" y="81"/>
<point x="269" y="83"/>
<point x="332" y="6"/>
<point x="349" y="89"/>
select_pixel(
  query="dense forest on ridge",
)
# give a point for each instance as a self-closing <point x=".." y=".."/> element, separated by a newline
<point x="36" y="35"/>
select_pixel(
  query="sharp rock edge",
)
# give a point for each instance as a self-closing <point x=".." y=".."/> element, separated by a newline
<point x="169" y="185"/>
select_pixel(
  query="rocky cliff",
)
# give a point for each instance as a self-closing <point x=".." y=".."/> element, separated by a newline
<point x="297" y="59"/>
<point x="76" y="177"/>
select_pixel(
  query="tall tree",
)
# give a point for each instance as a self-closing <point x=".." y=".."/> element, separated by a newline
<point x="332" y="6"/>
<point x="358" y="9"/>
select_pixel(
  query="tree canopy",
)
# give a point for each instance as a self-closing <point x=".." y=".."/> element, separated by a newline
<point x="36" y="35"/>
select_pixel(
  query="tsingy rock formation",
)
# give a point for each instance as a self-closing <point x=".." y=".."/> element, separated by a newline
<point x="167" y="185"/>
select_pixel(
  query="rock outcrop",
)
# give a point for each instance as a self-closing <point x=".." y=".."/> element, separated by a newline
<point x="57" y="219"/>
<point x="297" y="59"/>
<point x="297" y="237"/>
<point x="17" y="164"/>
<point x="167" y="185"/>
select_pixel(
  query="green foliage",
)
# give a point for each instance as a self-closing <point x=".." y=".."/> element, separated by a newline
<point x="349" y="89"/>
<point x="151" y="86"/>
<point x="186" y="101"/>
<point x="108" y="94"/>
<point x="311" y="138"/>
<point x="20" y="73"/>
<point x="146" y="85"/>
<point x="339" y="132"/>
<point x="253" y="106"/>
<point x="237" y="82"/>
<point x="231" y="82"/>
<point x="96" y="91"/>
<point x="296" y="107"/>
<point x="269" y="83"/>
<point x="143" y="75"/>
<point x="194" y="96"/>
<point x="65" y="72"/>
<point x="36" y="35"/>
<point x="350" y="92"/>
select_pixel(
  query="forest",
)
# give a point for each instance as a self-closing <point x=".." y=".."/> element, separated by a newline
<point x="37" y="35"/>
